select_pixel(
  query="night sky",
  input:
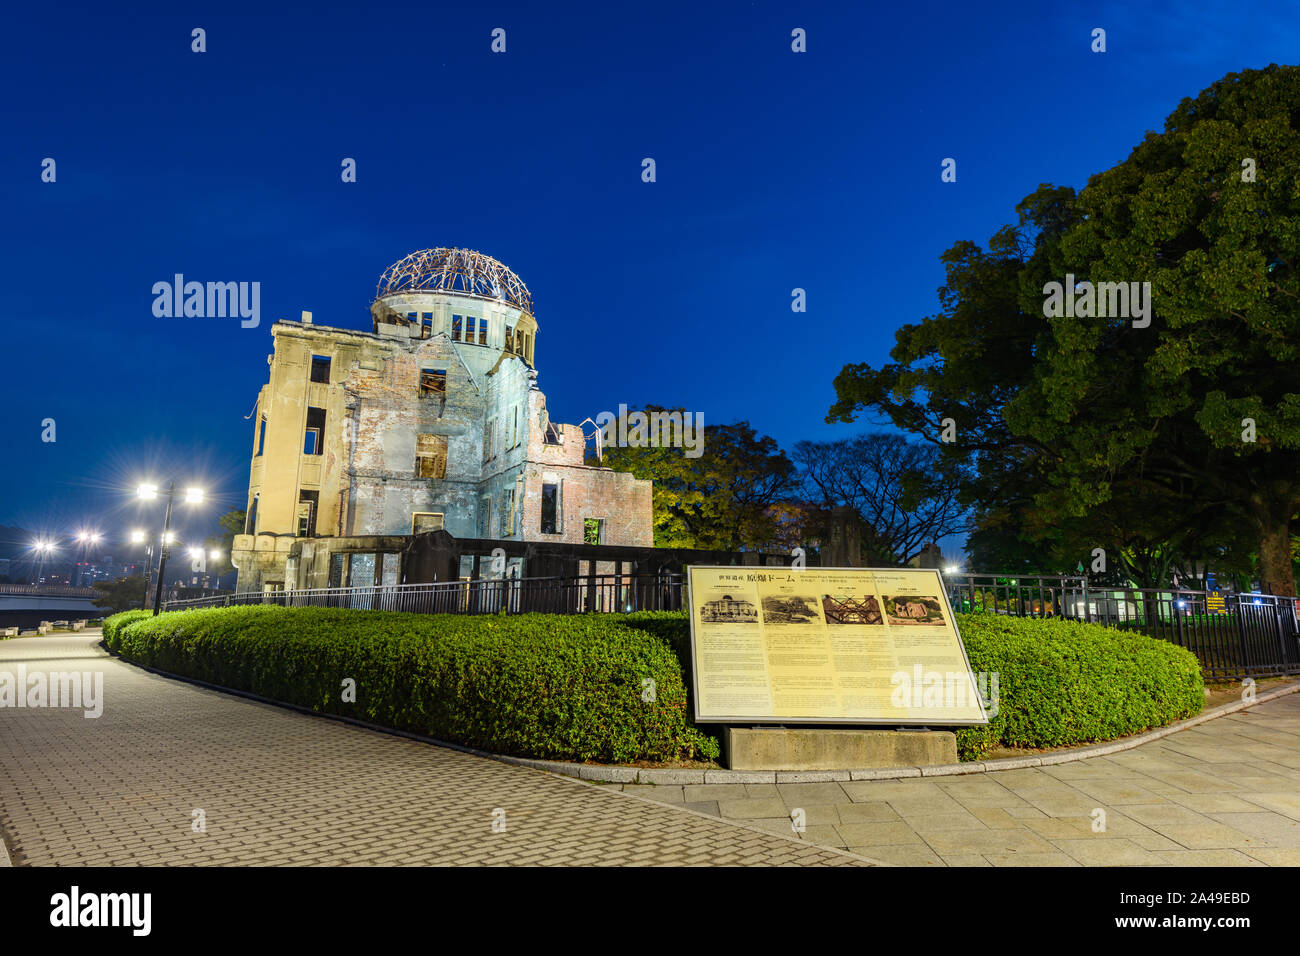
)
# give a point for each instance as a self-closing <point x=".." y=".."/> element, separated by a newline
<point x="775" y="170"/>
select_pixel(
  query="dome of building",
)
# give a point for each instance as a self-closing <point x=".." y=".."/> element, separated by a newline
<point x="461" y="271"/>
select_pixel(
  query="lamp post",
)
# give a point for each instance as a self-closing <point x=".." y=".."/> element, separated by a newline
<point x="43" y="547"/>
<point x="149" y="492"/>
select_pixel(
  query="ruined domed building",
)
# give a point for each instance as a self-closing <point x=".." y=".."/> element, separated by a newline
<point x="409" y="452"/>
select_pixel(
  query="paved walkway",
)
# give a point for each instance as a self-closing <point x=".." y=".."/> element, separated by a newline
<point x="280" y="787"/>
<point x="1224" y="793"/>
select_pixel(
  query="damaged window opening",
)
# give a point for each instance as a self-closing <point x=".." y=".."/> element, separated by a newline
<point x="469" y="328"/>
<point x="507" y="512"/>
<point x="433" y="381"/>
<point x="426" y="325"/>
<point x="307" y="501"/>
<point x="550" y="508"/>
<point x="510" y="339"/>
<point x="552" y="435"/>
<point x="431" y="456"/>
<point x="482" y="331"/>
<point x="455" y="328"/>
<point x="261" y="434"/>
<point x="313" y="442"/>
<point x="593" y="530"/>
<point x="320" y="369"/>
<point x="422" y="521"/>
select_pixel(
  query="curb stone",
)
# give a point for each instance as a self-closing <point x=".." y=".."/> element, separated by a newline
<point x="1049" y="759"/>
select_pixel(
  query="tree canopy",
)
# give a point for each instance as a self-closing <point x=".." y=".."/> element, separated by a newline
<point x="1160" y="438"/>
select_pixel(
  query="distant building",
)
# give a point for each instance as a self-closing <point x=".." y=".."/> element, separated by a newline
<point x="931" y="556"/>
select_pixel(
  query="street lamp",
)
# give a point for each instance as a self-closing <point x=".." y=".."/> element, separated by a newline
<point x="43" y="547"/>
<point x="148" y="492"/>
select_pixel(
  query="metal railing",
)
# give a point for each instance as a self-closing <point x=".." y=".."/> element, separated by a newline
<point x="1241" y="635"/>
<point x="51" y="590"/>
<point x="602" y="593"/>
<point x="1248" y="635"/>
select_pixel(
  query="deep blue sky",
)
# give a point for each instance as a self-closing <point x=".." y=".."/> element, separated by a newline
<point x="775" y="170"/>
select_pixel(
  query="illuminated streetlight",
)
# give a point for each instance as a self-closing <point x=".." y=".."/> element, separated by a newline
<point x="952" y="569"/>
<point x="137" y="537"/>
<point x="193" y="496"/>
<point x="196" y="553"/>
<point x="43" y="547"/>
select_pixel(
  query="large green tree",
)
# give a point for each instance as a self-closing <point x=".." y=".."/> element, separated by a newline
<point x="1087" y="425"/>
<point x="718" y="500"/>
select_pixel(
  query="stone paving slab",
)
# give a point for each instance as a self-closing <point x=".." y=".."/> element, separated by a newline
<point x="278" y="787"/>
<point x="1224" y="792"/>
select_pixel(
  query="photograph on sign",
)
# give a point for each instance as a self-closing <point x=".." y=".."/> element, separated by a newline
<point x="870" y="646"/>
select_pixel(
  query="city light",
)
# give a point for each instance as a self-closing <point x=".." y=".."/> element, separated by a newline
<point x="196" y="553"/>
<point x="952" y="569"/>
<point x="169" y="537"/>
<point x="215" y="555"/>
<point x="43" y="546"/>
<point x="137" y="537"/>
<point x="88" y="537"/>
<point x="147" y="492"/>
<point x="193" y="496"/>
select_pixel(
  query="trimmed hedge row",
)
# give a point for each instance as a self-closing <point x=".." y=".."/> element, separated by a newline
<point x="570" y="687"/>
<point x="1060" y="683"/>
<point x="113" y="625"/>
<point x="1064" y="683"/>
<point x="547" y="686"/>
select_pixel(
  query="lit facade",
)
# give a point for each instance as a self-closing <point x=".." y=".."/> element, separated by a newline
<point x="431" y="421"/>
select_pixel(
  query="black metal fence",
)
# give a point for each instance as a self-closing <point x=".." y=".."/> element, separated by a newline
<point x="604" y="593"/>
<point x="1233" y="635"/>
<point x="1236" y="636"/>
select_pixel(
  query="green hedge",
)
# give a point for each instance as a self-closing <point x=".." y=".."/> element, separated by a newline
<point x="1063" y="683"/>
<point x="566" y="687"/>
<point x="113" y="625"/>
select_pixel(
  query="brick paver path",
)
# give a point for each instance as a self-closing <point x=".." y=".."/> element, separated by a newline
<point x="1224" y="793"/>
<point x="279" y="787"/>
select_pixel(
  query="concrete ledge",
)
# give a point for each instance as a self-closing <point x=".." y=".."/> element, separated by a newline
<point x="952" y="769"/>
<point x="818" y="750"/>
<point x="740" y="776"/>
